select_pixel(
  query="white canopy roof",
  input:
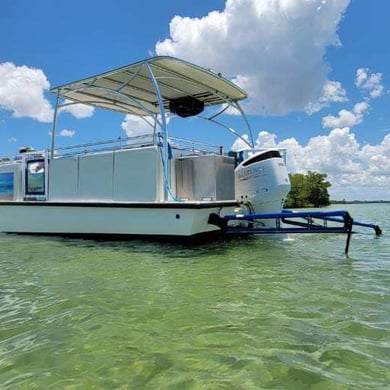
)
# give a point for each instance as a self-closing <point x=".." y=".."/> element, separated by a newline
<point x="131" y="89"/>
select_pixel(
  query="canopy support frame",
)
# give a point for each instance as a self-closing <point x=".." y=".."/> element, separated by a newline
<point x="163" y="127"/>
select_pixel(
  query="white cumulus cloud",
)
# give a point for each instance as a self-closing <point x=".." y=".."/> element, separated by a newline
<point x="136" y="126"/>
<point x="79" y="111"/>
<point x="274" y="48"/>
<point x="347" y="118"/>
<point x="377" y="158"/>
<point x="332" y="92"/>
<point x="371" y="82"/>
<point x="265" y="140"/>
<point x="67" y="133"/>
<point x="22" y="92"/>
<point x="241" y="144"/>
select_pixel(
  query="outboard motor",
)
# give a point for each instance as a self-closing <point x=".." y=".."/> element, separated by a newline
<point x="262" y="182"/>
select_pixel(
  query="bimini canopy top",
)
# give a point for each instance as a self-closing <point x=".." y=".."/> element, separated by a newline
<point x="181" y="87"/>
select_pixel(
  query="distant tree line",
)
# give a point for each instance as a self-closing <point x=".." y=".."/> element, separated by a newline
<point x="310" y="190"/>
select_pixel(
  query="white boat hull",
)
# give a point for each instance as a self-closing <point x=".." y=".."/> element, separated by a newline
<point x="111" y="219"/>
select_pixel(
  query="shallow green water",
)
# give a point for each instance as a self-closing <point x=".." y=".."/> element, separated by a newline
<point x="247" y="314"/>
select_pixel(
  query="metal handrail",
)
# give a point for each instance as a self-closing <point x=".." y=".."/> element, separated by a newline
<point x="176" y="143"/>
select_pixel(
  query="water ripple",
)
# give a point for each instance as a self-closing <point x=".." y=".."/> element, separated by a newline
<point x="247" y="314"/>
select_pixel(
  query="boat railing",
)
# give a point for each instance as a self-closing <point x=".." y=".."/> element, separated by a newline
<point x="180" y="145"/>
<point x="18" y="159"/>
<point x="186" y="146"/>
<point x="7" y="161"/>
<point x="106" y="145"/>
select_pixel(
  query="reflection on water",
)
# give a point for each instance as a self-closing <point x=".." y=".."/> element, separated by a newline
<point x="247" y="314"/>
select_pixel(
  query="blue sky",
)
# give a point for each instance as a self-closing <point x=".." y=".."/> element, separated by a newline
<point x="317" y="74"/>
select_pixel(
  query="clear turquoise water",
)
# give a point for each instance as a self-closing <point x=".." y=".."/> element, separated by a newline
<point x="248" y="314"/>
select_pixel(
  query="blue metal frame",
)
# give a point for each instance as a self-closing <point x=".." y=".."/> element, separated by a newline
<point x="297" y="222"/>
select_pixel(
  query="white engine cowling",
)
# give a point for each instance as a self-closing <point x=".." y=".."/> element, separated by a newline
<point x="262" y="182"/>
